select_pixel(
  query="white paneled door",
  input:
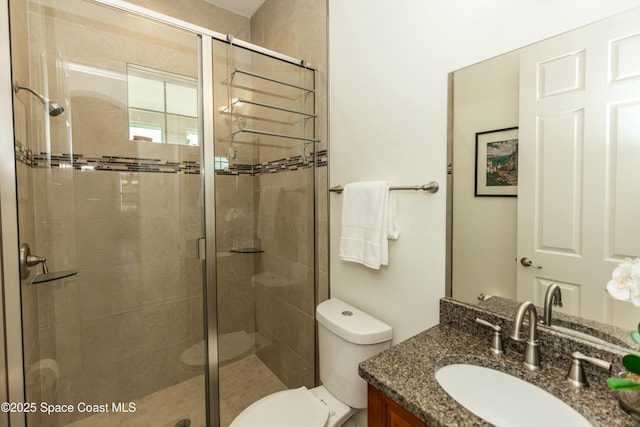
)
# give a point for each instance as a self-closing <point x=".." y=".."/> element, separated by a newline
<point x="579" y="166"/>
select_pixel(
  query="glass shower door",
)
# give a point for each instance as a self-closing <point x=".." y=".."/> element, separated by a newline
<point x="110" y="189"/>
<point x="264" y="181"/>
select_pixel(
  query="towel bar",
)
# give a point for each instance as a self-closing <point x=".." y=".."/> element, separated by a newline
<point x="431" y="187"/>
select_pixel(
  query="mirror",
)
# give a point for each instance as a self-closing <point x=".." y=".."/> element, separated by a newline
<point x="583" y="161"/>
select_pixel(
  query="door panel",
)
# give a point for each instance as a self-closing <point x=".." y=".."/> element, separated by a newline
<point x="560" y="143"/>
<point x="95" y="197"/>
<point x="579" y="142"/>
<point x="624" y="155"/>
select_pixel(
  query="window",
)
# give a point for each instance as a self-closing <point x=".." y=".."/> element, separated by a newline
<point x="220" y="163"/>
<point x="163" y="107"/>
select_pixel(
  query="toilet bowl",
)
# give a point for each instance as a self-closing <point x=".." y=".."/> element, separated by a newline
<point x="346" y="336"/>
<point x="301" y="407"/>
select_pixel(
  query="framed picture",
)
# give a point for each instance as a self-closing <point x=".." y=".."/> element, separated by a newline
<point x="497" y="162"/>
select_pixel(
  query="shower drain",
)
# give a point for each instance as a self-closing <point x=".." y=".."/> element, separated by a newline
<point x="183" y="423"/>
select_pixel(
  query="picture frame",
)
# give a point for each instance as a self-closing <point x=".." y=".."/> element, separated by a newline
<point x="497" y="162"/>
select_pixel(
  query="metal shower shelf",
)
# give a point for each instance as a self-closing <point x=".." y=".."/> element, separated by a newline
<point x="277" y="135"/>
<point x="274" y="107"/>
<point x="270" y="79"/>
<point x="308" y="117"/>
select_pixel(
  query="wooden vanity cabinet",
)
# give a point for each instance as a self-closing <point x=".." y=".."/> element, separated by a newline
<point x="384" y="412"/>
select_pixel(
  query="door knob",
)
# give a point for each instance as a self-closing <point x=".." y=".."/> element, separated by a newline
<point x="528" y="263"/>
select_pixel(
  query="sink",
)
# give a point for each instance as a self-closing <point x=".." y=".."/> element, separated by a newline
<point x="504" y="400"/>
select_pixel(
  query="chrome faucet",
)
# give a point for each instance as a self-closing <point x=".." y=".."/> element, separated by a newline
<point x="553" y="297"/>
<point x="531" y="352"/>
<point x="496" y="339"/>
<point x="576" y="374"/>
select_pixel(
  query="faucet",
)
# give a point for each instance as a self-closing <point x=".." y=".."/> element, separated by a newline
<point x="531" y="353"/>
<point x="576" y="374"/>
<point x="553" y="296"/>
<point x="496" y="340"/>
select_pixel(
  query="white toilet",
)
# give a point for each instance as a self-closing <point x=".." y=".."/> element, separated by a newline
<point x="346" y="337"/>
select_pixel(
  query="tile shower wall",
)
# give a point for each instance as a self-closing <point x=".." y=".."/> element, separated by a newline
<point x="234" y="228"/>
<point x="286" y="297"/>
<point x="284" y="285"/>
<point x="117" y="330"/>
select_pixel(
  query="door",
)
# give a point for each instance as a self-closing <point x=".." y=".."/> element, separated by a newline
<point x="109" y="189"/>
<point x="579" y="140"/>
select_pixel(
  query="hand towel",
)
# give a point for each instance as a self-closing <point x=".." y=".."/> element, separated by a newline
<point x="369" y="219"/>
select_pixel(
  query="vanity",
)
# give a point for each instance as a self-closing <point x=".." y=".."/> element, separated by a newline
<point x="384" y="412"/>
<point x="404" y="391"/>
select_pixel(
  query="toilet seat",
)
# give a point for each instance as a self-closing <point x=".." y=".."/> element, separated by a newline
<point x="288" y="408"/>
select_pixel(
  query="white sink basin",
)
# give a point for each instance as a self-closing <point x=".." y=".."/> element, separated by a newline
<point x="504" y="400"/>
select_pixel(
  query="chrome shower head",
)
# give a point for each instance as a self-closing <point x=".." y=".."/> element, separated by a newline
<point x="54" y="108"/>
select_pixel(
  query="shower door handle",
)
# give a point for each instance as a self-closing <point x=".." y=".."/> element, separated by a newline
<point x="201" y="252"/>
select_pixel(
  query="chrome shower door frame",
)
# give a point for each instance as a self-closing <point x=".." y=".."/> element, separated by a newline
<point x="207" y="184"/>
<point x="11" y="358"/>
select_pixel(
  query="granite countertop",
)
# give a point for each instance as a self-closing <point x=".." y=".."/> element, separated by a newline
<point x="406" y="374"/>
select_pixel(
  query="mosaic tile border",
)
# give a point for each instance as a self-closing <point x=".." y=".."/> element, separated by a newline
<point x="23" y="154"/>
<point x="135" y="164"/>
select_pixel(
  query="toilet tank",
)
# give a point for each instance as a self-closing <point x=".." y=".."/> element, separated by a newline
<point x="346" y="337"/>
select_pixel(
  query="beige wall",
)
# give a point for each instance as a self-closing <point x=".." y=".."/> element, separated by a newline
<point x="484" y="228"/>
<point x="299" y="28"/>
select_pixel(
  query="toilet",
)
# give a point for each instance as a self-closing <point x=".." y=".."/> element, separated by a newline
<point x="346" y="337"/>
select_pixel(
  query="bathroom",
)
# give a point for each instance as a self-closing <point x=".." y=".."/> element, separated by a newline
<point x="384" y="116"/>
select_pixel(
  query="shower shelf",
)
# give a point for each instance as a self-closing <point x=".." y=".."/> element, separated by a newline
<point x="278" y="135"/>
<point x="270" y="79"/>
<point x="271" y="106"/>
<point x="246" y="250"/>
<point x="50" y="277"/>
<point x="233" y="110"/>
<point x="258" y="118"/>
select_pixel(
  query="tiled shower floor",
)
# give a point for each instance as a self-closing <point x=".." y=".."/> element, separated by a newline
<point x="241" y="383"/>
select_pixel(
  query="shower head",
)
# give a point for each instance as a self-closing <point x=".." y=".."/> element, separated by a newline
<point x="54" y="108"/>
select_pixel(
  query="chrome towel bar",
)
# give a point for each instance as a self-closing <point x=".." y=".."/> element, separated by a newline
<point x="431" y="187"/>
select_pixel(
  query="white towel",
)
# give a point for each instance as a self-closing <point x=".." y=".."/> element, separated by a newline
<point x="369" y="219"/>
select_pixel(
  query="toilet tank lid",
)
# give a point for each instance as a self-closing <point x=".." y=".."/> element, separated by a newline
<point x="352" y="324"/>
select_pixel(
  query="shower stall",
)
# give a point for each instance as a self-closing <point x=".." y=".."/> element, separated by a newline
<point x="166" y="186"/>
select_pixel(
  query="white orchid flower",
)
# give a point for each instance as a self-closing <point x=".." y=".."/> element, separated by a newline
<point x="625" y="282"/>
